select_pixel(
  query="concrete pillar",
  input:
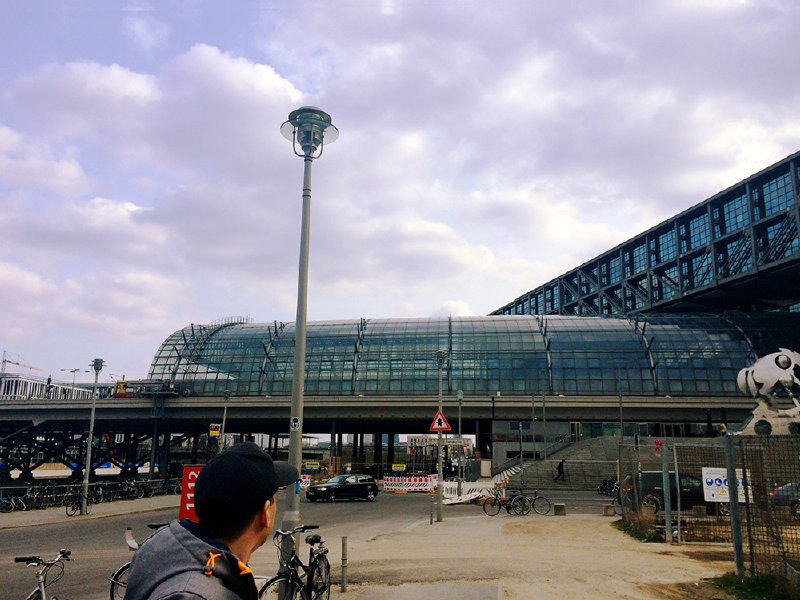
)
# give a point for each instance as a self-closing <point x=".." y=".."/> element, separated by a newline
<point x="390" y="449"/>
<point x="377" y="454"/>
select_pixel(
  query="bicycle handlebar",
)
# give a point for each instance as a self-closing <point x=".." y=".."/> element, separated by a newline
<point x="37" y="560"/>
<point x="298" y="529"/>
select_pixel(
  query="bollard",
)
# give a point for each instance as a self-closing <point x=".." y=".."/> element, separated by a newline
<point x="432" y="505"/>
<point x="344" y="564"/>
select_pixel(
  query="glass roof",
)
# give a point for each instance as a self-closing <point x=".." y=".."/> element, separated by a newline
<point x="680" y="354"/>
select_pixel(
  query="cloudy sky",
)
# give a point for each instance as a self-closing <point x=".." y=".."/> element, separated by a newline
<point x="485" y="148"/>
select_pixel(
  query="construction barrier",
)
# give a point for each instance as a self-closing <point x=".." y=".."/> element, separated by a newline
<point x="305" y="481"/>
<point x="473" y="489"/>
<point x="409" y="483"/>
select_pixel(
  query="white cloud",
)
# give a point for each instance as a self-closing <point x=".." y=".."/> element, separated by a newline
<point x="482" y="152"/>
<point x="25" y="164"/>
<point x="146" y="31"/>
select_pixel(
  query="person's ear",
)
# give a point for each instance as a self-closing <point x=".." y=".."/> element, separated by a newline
<point x="267" y="514"/>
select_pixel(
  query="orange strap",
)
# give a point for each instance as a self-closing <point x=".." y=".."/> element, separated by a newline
<point x="210" y="563"/>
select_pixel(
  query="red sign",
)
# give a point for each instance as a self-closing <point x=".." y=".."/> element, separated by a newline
<point x="190" y="473"/>
<point x="440" y="423"/>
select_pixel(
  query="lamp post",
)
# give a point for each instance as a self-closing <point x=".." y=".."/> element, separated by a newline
<point x="97" y="365"/>
<point x="440" y="356"/>
<point x="460" y="396"/>
<point x="73" y="371"/>
<point x="226" y="395"/>
<point x="307" y="127"/>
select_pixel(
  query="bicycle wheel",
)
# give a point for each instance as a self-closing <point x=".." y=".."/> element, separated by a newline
<point x="653" y="502"/>
<point x="321" y="579"/>
<point x="282" y="588"/>
<point x="73" y="508"/>
<point x="89" y="505"/>
<point x="492" y="506"/>
<point x="119" y="582"/>
<point x="519" y="505"/>
<point x="541" y="505"/>
<point x="617" y="506"/>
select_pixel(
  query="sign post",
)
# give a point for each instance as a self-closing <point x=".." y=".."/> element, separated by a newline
<point x="190" y="473"/>
<point x="439" y="425"/>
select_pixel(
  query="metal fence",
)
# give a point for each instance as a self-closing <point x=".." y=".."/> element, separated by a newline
<point x="768" y="472"/>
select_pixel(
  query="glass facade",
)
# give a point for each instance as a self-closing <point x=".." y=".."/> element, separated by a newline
<point x="680" y="354"/>
<point x="739" y="234"/>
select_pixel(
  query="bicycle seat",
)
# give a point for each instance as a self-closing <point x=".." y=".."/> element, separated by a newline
<point x="313" y="538"/>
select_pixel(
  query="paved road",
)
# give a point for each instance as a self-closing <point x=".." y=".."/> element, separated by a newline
<point x="98" y="546"/>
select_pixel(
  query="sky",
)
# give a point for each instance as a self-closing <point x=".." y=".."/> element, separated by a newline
<point x="485" y="148"/>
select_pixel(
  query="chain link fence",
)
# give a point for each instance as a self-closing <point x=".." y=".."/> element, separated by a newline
<point x="768" y="473"/>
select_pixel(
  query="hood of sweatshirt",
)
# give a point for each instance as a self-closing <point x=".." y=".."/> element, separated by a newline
<point x="178" y="558"/>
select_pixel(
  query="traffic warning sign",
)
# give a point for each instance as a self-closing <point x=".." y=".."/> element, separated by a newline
<point x="440" y="423"/>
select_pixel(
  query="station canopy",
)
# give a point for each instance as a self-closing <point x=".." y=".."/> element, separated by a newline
<point x="647" y="354"/>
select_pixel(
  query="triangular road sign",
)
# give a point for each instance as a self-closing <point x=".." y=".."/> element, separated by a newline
<point x="440" y="423"/>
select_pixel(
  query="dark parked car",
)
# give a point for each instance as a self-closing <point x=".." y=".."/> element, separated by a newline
<point x="651" y="492"/>
<point x="787" y="495"/>
<point x="344" y="486"/>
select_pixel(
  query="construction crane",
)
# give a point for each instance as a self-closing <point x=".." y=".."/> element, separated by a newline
<point x="7" y="360"/>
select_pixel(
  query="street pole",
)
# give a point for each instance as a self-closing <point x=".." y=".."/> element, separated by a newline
<point x="521" y="465"/>
<point x="226" y="396"/>
<point x="307" y="127"/>
<point x="544" y="428"/>
<point x="460" y="397"/>
<point x="440" y="354"/>
<point x="97" y="365"/>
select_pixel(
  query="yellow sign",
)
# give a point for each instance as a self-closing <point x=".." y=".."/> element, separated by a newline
<point x="312" y="465"/>
<point x="214" y="430"/>
<point x="400" y="467"/>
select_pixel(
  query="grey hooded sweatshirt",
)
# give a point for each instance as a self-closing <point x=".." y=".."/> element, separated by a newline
<point x="178" y="562"/>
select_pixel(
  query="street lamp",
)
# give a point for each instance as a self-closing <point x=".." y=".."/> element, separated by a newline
<point x="226" y="396"/>
<point x="309" y="128"/>
<point x="97" y="366"/>
<point x="74" y="371"/>
<point x="460" y="396"/>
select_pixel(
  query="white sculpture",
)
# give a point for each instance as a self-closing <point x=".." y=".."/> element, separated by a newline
<point x="769" y="379"/>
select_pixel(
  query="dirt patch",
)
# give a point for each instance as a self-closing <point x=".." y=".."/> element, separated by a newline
<point x="540" y="557"/>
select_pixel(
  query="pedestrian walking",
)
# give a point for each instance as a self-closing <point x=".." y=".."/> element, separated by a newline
<point x="559" y="472"/>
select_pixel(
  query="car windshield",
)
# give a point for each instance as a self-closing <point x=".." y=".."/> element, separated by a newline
<point x="337" y="479"/>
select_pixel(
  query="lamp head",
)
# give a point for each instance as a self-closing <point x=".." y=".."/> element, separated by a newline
<point x="309" y="127"/>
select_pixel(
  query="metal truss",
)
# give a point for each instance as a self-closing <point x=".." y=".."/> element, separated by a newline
<point x="737" y="250"/>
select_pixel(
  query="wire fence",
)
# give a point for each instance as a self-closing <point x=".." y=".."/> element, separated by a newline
<point x="768" y="474"/>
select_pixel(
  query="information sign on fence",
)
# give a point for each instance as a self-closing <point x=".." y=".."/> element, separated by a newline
<point x="715" y="485"/>
<point x="399" y="467"/>
<point x="312" y="465"/>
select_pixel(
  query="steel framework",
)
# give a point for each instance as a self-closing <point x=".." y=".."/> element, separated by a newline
<point x="737" y="250"/>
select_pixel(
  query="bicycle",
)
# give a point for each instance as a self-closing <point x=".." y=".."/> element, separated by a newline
<point x="517" y="504"/>
<point x="540" y="504"/>
<point x="38" y="592"/>
<point x="608" y="487"/>
<point x="118" y="582"/>
<point x="7" y="504"/>
<point x="73" y="503"/>
<point x="288" y="584"/>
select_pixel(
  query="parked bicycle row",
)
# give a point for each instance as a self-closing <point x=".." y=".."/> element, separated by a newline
<point x="46" y="495"/>
<point x="516" y="503"/>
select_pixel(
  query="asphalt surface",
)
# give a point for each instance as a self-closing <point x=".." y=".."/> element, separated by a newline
<point x="98" y="546"/>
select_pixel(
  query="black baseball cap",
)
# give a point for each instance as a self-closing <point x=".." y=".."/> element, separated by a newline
<point x="237" y="483"/>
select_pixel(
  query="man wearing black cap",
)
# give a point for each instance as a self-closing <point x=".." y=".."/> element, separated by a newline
<point x="235" y="505"/>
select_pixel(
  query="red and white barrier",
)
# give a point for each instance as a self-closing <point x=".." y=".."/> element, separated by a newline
<point x="402" y="484"/>
<point x="305" y="481"/>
